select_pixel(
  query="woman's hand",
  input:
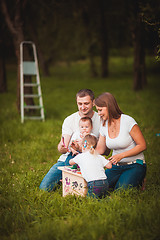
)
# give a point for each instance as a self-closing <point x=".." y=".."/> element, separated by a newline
<point x="115" y="158"/>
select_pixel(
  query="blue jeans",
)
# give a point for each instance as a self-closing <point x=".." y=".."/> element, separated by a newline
<point x="70" y="156"/>
<point x="126" y="176"/>
<point x="97" y="188"/>
<point x="52" y="178"/>
<point x="54" y="175"/>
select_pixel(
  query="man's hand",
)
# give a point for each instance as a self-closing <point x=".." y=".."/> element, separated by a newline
<point x="63" y="144"/>
<point x="62" y="149"/>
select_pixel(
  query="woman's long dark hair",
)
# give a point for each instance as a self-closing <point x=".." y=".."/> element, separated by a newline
<point x="108" y="100"/>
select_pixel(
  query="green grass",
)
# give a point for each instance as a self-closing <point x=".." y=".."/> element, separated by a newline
<point x="27" y="151"/>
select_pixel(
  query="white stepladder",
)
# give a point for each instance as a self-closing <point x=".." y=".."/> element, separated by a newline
<point x="30" y="68"/>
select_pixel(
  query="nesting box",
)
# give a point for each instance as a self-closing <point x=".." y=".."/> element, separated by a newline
<point x="73" y="182"/>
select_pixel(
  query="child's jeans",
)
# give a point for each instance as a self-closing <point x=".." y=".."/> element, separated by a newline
<point x="97" y="188"/>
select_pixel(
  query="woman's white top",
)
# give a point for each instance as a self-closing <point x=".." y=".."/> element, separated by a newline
<point x="91" y="165"/>
<point x="123" y="142"/>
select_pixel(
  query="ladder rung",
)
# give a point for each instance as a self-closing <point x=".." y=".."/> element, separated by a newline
<point x="31" y="95"/>
<point x="31" y="84"/>
<point x="32" y="107"/>
<point x="34" y="118"/>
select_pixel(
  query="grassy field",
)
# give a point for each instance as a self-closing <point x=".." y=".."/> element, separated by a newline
<point x="27" y="151"/>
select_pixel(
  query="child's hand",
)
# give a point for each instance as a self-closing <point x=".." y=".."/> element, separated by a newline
<point x="76" y="145"/>
<point x="109" y="165"/>
<point x="74" y="152"/>
<point x="79" y="143"/>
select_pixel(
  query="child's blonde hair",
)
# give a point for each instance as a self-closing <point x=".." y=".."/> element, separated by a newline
<point x="90" y="142"/>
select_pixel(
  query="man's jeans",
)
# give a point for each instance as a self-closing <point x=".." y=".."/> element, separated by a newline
<point x="126" y="176"/>
<point x="54" y="175"/>
<point x="97" y="188"/>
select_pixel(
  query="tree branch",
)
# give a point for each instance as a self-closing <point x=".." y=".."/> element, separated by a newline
<point x="7" y="17"/>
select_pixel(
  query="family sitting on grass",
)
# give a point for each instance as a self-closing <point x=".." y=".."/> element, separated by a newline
<point x="87" y="135"/>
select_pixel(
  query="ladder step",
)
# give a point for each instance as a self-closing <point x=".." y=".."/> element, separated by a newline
<point x="34" y="118"/>
<point x="32" y="107"/>
<point x="31" y="84"/>
<point x="31" y="95"/>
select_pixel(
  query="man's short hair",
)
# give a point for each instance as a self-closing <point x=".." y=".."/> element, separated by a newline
<point x="84" y="93"/>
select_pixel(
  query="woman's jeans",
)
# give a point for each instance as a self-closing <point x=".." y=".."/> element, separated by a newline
<point x="125" y="176"/>
<point x="97" y="188"/>
<point x="54" y="175"/>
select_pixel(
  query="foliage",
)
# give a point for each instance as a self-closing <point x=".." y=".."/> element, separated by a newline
<point x="28" y="151"/>
<point x="150" y="14"/>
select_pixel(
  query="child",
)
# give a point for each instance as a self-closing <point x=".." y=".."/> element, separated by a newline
<point x="92" y="167"/>
<point x="85" y="127"/>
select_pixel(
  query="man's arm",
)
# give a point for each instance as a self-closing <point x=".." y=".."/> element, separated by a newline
<point x="63" y="146"/>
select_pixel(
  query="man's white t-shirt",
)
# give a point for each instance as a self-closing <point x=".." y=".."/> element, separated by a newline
<point x="71" y="125"/>
<point x="123" y="142"/>
<point x="91" y="166"/>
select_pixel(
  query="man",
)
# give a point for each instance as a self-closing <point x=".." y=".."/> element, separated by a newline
<point x="84" y="100"/>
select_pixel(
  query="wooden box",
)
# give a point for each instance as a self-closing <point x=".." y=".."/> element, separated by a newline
<point x="73" y="182"/>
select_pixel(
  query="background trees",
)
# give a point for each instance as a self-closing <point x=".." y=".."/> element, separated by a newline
<point x="71" y="30"/>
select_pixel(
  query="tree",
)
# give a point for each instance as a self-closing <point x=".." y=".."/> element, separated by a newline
<point x="140" y="79"/>
<point x="86" y="13"/>
<point x="150" y="13"/>
<point x="137" y="30"/>
<point x="103" y="40"/>
<point x="93" y="15"/>
<point x="14" y="21"/>
<point x="3" y="80"/>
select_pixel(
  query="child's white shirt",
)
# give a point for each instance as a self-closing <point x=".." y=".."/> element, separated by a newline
<point x="91" y="165"/>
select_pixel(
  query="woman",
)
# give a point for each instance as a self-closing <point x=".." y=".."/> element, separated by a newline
<point x="120" y="133"/>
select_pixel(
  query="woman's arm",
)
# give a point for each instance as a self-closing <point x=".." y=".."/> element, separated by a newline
<point x="101" y="146"/>
<point x="137" y="136"/>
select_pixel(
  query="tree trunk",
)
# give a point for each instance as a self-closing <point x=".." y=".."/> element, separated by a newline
<point x="139" y="66"/>
<point x="16" y="29"/>
<point x="104" y="41"/>
<point x="3" y="80"/>
<point x="92" y="62"/>
<point x="91" y="44"/>
<point x="43" y="63"/>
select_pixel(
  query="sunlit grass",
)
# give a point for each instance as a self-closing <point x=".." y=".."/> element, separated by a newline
<point x="27" y="151"/>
